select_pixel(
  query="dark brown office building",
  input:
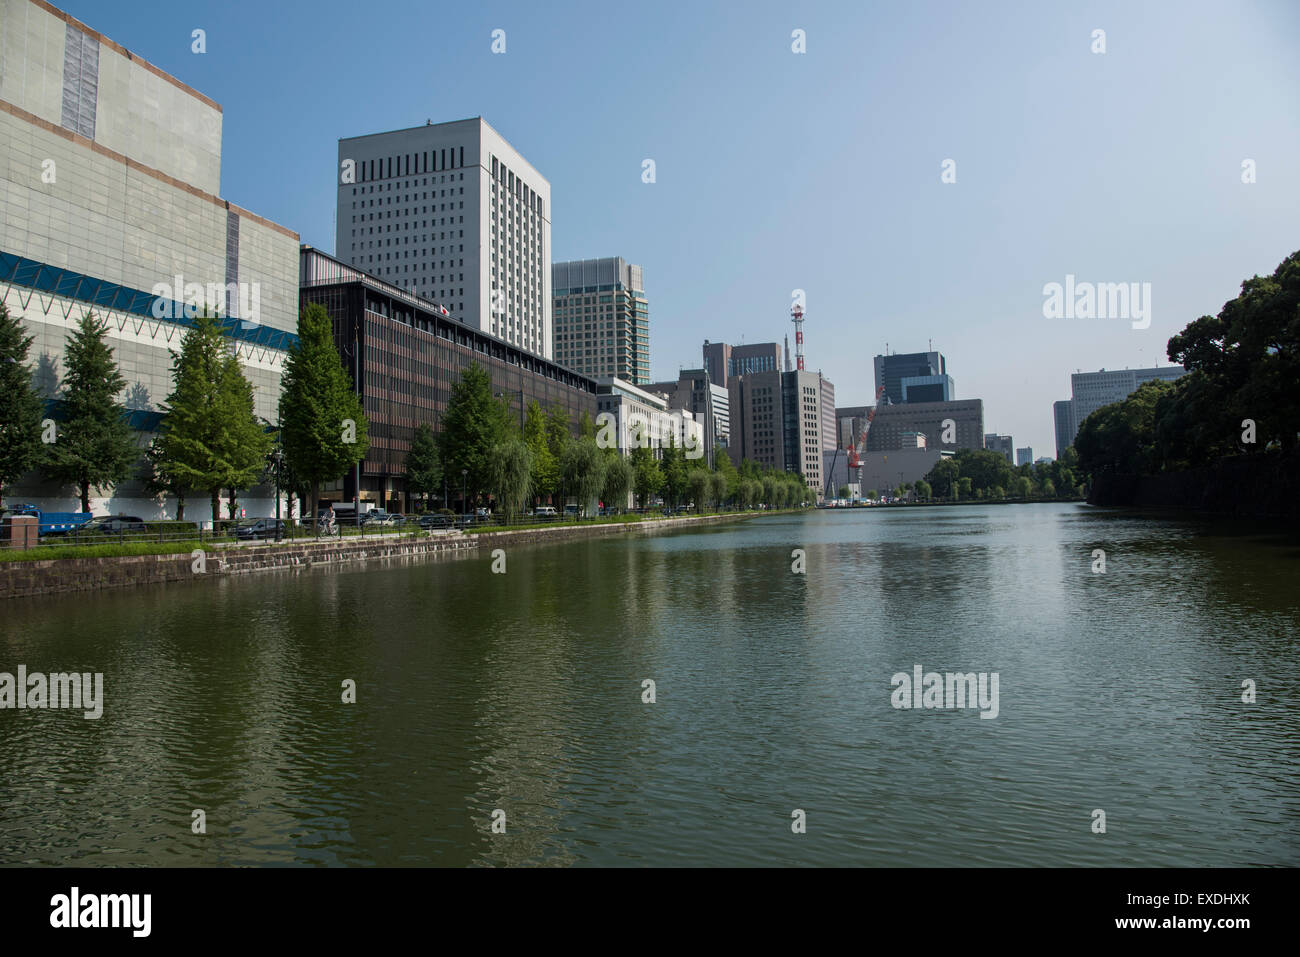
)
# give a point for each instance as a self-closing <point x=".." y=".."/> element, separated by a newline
<point x="409" y="353"/>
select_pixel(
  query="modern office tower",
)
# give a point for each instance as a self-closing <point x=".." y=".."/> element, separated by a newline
<point x="1066" y="427"/>
<point x="828" y="425"/>
<point x="913" y="377"/>
<point x="849" y="421"/>
<point x="709" y="405"/>
<point x="927" y="388"/>
<point x="1090" y="391"/>
<point x="723" y="361"/>
<point x="1025" y="456"/>
<point x="452" y="213"/>
<point x="411" y="354"/>
<point x="602" y="318"/>
<point x="1002" y="444"/>
<point x="776" y="420"/>
<point x="965" y="416"/>
<point x="109" y="178"/>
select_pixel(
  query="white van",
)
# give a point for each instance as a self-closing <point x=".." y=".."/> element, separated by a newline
<point x="547" y="511"/>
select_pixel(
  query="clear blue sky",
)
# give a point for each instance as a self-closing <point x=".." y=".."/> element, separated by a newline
<point x="820" y="171"/>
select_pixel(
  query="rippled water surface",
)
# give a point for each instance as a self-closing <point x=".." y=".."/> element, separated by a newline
<point x="523" y="692"/>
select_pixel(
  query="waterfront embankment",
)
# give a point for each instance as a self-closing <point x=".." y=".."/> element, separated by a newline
<point x="64" y="575"/>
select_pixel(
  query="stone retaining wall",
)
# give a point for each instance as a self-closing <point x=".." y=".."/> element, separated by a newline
<point x="55" y="576"/>
<point x="61" y="575"/>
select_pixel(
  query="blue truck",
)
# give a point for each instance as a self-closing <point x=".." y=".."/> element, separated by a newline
<point x="52" y="523"/>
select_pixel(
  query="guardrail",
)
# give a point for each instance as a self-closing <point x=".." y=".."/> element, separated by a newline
<point x="262" y="530"/>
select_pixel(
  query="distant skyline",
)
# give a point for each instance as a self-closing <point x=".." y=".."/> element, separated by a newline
<point x="818" y="171"/>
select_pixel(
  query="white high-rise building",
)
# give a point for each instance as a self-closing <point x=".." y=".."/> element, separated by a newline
<point x="453" y="213"/>
<point x="1091" y="391"/>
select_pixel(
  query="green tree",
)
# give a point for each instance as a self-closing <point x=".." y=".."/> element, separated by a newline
<point x="324" y="427"/>
<point x="769" y="490"/>
<point x="558" y="431"/>
<point x="873" y="494"/>
<point x="1242" y="364"/>
<point x="620" y="477"/>
<point x="423" y="463"/>
<point x="647" y="476"/>
<point x="510" y="465"/>
<point x="697" y="480"/>
<point x="842" y="492"/>
<point x="673" y="464"/>
<point x="923" y="490"/>
<point x="95" y="447"/>
<point x="1120" y="438"/>
<point x="723" y="466"/>
<point x="984" y="467"/>
<point x="546" y="467"/>
<point x="964" y="487"/>
<point x="210" y="439"/>
<point x="718" y="488"/>
<point x="943" y="477"/>
<point x="158" y="479"/>
<point x="475" y="423"/>
<point x="20" y="405"/>
<point x="583" y="467"/>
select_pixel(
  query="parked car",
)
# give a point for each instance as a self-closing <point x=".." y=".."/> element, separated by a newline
<point x="259" y="528"/>
<point x="378" y="516"/>
<point x="482" y="513"/>
<point x="428" y="522"/>
<point x="570" y="510"/>
<point x="114" y="525"/>
<point x="546" y="511"/>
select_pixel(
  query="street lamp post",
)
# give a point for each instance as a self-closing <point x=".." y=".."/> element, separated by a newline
<point x="464" y="476"/>
<point x="279" y="454"/>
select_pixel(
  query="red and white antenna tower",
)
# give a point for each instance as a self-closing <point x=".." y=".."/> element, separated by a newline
<point x="797" y="313"/>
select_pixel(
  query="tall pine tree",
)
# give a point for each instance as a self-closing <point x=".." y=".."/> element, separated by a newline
<point x="210" y="437"/>
<point x="20" y="406"/>
<point x="325" y="431"/>
<point x="95" y="446"/>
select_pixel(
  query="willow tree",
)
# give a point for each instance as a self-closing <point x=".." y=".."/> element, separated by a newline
<point x="510" y="465"/>
<point x="619" y="479"/>
<point x="583" y="466"/>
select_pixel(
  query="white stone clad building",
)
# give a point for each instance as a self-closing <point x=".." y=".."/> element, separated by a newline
<point x="109" y="179"/>
<point x="452" y="213"/>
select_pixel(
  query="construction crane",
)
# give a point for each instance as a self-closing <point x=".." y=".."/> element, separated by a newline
<point x="855" y="462"/>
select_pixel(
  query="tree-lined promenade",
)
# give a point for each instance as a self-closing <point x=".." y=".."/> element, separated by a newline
<point x="210" y="442"/>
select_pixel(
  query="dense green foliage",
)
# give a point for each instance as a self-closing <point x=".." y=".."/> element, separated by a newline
<point x="20" y="405"/>
<point x="1239" y="396"/>
<point x="424" y="474"/>
<point x="323" y="427"/>
<point x="95" y="445"/>
<point x="210" y="439"/>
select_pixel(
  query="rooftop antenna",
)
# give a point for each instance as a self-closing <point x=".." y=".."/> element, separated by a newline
<point x="797" y="318"/>
<point x="787" y="353"/>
